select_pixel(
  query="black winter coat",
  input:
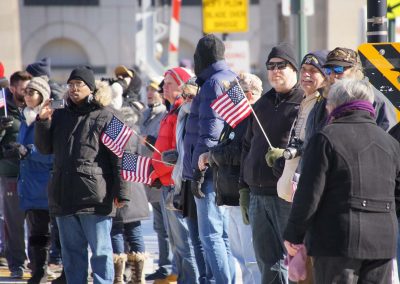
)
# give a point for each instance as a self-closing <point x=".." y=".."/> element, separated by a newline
<point x="345" y="199"/>
<point x="86" y="174"/>
<point x="226" y="163"/>
<point x="276" y="113"/>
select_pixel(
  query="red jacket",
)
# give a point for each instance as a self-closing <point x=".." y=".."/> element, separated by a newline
<point x="166" y="140"/>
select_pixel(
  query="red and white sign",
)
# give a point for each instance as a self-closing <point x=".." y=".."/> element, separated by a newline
<point x="237" y="55"/>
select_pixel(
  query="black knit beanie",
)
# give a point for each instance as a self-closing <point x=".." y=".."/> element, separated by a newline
<point x="40" y="68"/>
<point x="209" y="50"/>
<point x="85" y="74"/>
<point x="286" y="52"/>
<point x="317" y="59"/>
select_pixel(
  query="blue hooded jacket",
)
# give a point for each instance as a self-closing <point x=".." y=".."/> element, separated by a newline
<point x="34" y="172"/>
<point x="204" y="126"/>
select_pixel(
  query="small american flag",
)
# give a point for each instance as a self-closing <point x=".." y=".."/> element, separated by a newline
<point x="116" y="136"/>
<point x="2" y="98"/>
<point x="232" y="106"/>
<point x="136" y="168"/>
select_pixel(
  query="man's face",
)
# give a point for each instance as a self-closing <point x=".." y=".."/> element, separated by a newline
<point x="311" y="79"/>
<point x="281" y="74"/>
<point x="19" y="89"/>
<point x="78" y="91"/>
<point x="339" y="72"/>
<point x="171" y="89"/>
<point x="153" y="96"/>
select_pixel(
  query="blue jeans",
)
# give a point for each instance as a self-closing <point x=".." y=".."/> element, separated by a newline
<point x="165" y="256"/>
<point x="133" y="235"/>
<point x="205" y="274"/>
<point x="181" y="244"/>
<point x="76" y="233"/>
<point x="268" y="216"/>
<point x="241" y="240"/>
<point x="213" y="228"/>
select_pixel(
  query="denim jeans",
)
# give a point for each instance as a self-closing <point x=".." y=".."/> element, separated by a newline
<point x="213" y="228"/>
<point x="133" y="235"/>
<point x="241" y="240"/>
<point x="181" y="244"/>
<point x="165" y="256"/>
<point x="76" y="233"/>
<point x="205" y="274"/>
<point x="268" y="216"/>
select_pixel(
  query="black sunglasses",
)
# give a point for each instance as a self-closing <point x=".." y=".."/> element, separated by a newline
<point x="280" y="65"/>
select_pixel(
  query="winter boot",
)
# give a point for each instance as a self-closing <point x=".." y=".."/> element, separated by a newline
<point x="62" y="279"/>
<point x="39" y="267"/>
<point x="119" y="267"/>
<point x="136" y="262"/>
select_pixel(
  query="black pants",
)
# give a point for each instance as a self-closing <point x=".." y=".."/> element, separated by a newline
<point x="38" y="222"/>
<point x="342" y="270"/>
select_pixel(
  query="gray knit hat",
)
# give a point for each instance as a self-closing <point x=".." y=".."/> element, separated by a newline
<point x="40" y="85"/>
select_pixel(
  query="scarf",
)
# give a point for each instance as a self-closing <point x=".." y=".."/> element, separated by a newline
<point x="343" y="109"/>
<point x="30" y="114"/>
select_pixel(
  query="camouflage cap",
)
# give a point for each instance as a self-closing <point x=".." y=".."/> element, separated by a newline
<point x="342" y="56"/>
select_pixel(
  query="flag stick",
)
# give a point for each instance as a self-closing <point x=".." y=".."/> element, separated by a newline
<point x="169" y="164"/>
<point x="255" y="116"/>
<point x="5" y="103"/>
<point x="144" y="140"/>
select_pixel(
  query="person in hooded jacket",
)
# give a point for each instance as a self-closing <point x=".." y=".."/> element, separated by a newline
<point x="33" y="179"/>
<point x="127" y="222"/>
<point x="85" y="186"/>
<point x="204" y="127"/>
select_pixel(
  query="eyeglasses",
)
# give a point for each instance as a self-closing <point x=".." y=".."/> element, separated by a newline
<point x="335" y="69"/>
<point x="76" y="85"/>
<point x="280" y="65"/>
<point x="31" y="92"/>
<point x="187" y="96"/>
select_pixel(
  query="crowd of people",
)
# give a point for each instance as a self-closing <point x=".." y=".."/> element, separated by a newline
<point x="303" y="188"/>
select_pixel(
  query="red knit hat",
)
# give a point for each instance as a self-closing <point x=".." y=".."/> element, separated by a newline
<point x="181" y="75"/>
<point x="1" y="70"/>
<point x="3" y="79"/>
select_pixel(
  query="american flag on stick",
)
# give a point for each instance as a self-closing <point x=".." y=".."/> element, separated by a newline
<point x="116" y="136"/>
<point x="232" y="106"/>
<point x="136" y="168"/>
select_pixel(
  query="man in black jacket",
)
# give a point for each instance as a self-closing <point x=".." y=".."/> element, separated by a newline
<point x="346" y="199"/>
<point x="266" y="212"/>
<point x="86" y="178"/>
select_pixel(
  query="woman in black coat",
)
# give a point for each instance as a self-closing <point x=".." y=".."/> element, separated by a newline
<point x="345" y="203"/>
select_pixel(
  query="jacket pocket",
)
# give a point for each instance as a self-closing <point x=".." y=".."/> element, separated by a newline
<point x="89" y="186"/>
<point x="371" y="205"/>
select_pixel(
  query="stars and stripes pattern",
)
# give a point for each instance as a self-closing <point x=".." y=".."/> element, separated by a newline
<point x="116" y="136"/>
<point x="232" y="106"/>
<point x="2" y="98"/>
<point x="136" y="168"/>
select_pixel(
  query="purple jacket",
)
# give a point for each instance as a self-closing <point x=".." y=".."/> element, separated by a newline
<point x="204" y="126"/>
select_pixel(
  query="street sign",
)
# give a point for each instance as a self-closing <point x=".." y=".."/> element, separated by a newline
<point x="381" y="63"/>
<point x="225" y="16"/>
<point x="393" y="9"/>
<point x="237" y="55"/>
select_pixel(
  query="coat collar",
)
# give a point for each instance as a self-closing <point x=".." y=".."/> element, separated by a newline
<point x="355" y="116"/>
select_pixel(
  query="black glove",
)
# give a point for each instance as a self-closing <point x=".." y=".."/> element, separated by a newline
<point x="195" y="185"/>
<point x="278" y="166"/>
<point x="6" y="122"/>
<point x="170" y="156"/>
<point x="157" y="184"/>
<point x="15" y="150"/>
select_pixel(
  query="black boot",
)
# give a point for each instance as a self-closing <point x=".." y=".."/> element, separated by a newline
<point x="39" y="269"/>
<point x="61" y="279"/>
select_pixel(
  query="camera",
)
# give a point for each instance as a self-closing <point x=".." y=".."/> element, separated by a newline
<point x="57" y="104"/>
<point x="294" y="149"/>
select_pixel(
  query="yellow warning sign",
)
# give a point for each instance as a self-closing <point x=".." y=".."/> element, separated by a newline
<point x="393" y="9"/>
<point x="381" y="63"/>
<point x="225" y="16"/>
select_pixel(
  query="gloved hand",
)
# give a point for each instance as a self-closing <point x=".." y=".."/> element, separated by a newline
<point x="195" y="185"/>
<point x="6" y="122"/>
<point x="170" y="156"/>
<point x="157" y="184"/>
<point x="272" y="155"/>
<point x="244" y="202"/>
<point x="15" y="150"/>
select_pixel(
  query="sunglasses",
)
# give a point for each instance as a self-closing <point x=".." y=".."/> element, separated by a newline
<point x="31" y="92"/>
<point x="187" y="96"/>
<point x="280" y="65"/>
<point x="335" y="69"/>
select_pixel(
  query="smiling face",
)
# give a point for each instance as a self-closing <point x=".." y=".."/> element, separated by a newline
<point x="311" y="79"/>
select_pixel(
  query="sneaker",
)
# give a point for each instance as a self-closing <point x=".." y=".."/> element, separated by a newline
<point x="3" y="262"/>
<point x="158" y="274"/>
<point x="17" y="273"/>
